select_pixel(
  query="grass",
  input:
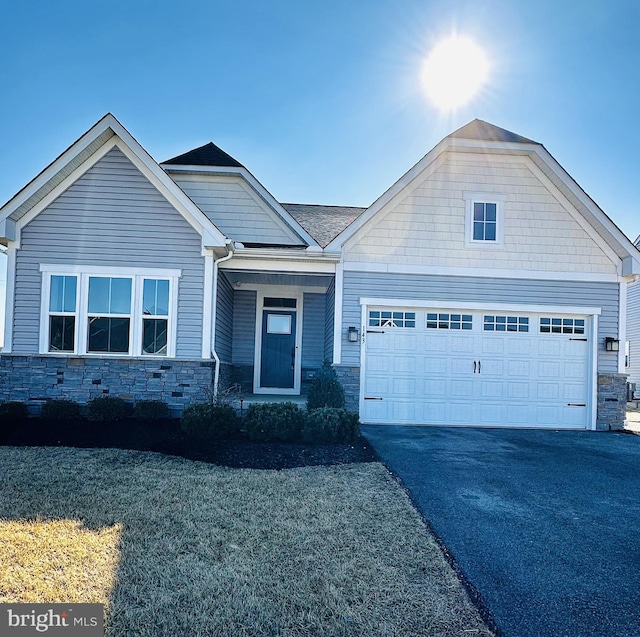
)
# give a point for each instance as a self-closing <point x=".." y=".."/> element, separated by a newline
<point x="176" y="547"/>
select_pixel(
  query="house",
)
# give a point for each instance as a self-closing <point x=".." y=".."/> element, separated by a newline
<point x="632" y="345"/>
<point x="484" y="287"/>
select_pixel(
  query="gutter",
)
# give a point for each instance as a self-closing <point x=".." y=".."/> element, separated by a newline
<point x="214" y="312"/>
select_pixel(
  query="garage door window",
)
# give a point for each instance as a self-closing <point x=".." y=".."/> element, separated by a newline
<point x="553" y="325"/>
<point x="494" y="323"/>
<point x="449" y="321"/>
<point x="378" y="318"/>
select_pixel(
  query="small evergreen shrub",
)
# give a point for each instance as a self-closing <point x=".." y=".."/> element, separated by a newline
<point x="330" y="425"/>
<point x="204" y="422"/>
<point x="12" y="415"/>
<point x="325" y="390"/>
<point x="274" y="422"/>
<point x="151" y="410"/>
<point x="108" y="409"/>
<point x="60" y="409"/>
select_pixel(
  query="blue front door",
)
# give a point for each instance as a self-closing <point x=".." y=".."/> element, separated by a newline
<point x="278" y="354"/>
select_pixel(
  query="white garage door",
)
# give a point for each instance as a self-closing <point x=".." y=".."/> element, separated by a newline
<point x="454" y="367"/>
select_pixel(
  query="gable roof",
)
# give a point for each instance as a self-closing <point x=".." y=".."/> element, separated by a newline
<point x="77" y="159"/>
<point x="207" y="155"/>
<point x="480" y="130"/>
<point x="482" y="136"/>
<point x="323" y="223"/>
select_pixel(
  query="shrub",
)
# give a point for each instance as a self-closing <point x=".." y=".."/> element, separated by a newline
<point x="274" y="422"/>
<point x="108" y="409"/>
<point x="325" y="390"/>
<point x="13" y="411"/>
<point x="60" y="410"/>
<point x="204" y="422"/>
<point x="151" y="410"/>
<point x="328" y="424"/>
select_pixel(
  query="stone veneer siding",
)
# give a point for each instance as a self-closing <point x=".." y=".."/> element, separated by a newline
<point x="612" y="402"/>
<point x="36" y="379"/>
<point x="350" y="379"/>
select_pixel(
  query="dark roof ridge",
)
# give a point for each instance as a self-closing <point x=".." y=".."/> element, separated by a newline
<point x="207" y="155"/>
<point x="480" y="130"/>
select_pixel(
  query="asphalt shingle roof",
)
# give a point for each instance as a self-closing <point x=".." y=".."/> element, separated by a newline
<point x="483" y="131"/>
<point x="207" y="155"/>
<point x="323" y="223"/>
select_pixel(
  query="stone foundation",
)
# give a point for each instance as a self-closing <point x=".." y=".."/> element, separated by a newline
<point x="350" y="379"/>
<point x="36" y="379"/>
<point x="612" y="402"/>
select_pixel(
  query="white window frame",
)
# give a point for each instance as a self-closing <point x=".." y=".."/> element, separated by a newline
<point x="472" y="198"/>
<point x="137" y="276"/>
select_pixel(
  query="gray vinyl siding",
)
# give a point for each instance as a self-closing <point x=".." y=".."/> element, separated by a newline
<point x="224" y="319"/>
<point x="313" y="310"/>
<point x="633" y="332"/>
<point x="329" y="321"/>
<point x="112" y="216"/>
<point x="475" y="290"/>
<point x="244" y="327"/>
<point x="241" y="216"/>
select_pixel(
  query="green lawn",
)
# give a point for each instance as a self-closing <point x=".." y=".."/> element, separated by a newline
<point x="176" y="547"/>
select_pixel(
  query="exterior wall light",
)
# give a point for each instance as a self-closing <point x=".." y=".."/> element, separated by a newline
<point x="352" y="335"/>
<point x="611" y="344"/>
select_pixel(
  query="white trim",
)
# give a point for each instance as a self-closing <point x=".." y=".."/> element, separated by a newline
<point x="470" y="198"/>
<point x="363" y="356"/>
<point x="10" y="292"/>
<point x="136" y="317"/>
<point x="115" y="271"/>
<point x="594" y="372"/>
<point x="622" y="326"/>
<point x="403" y="268"/>
<point x="337" y="314"/>
<point x="289" y="292"/>
<point x="207" y="308"/>
<point x="497" y="307"/>
<point x="270" y="260"/>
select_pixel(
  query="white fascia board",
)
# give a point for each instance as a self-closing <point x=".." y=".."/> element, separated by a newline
<point x="631" y="266"/>
<point x="622" y="240"/>
<point x="302" y="266"/>
<point x="487" y="273"/>
<point x="290" y="223"/>
<point x="497" y="307"/>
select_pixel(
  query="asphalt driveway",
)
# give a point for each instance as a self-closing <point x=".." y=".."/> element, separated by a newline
<point x="544" y="524"/>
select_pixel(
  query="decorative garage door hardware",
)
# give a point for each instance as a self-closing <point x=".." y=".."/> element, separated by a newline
<point x="479" y="367"/>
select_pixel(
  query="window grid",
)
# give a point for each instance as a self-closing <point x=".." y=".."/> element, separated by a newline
<point x="485" y="221"/>
<point x="557" y="325"/>
<point x="436" y="321"/>
<point x="379" y="318"/>
<point x="495" y="323"/>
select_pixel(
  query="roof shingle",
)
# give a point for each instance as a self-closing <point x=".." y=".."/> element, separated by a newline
<point x="323" y="223"/>
<point x="207" y="155"/>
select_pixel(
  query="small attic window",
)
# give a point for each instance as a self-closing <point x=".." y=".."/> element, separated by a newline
<point x="484" y="220"/>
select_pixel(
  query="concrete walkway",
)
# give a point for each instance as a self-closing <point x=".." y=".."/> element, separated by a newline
<point x="545" y="524"/>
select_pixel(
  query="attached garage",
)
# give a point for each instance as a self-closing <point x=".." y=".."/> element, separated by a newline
<point x="496" y="366"/>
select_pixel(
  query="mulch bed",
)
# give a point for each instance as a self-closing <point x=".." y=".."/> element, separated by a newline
<point x="165" y="436"/>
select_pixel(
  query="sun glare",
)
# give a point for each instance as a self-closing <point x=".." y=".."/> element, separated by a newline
<point x="454" y="72"/>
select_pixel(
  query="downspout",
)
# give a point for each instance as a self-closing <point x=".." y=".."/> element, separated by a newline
<point x="216" y="358"/>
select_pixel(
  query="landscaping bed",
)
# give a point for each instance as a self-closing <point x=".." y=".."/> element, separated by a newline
<point x="166" y="436"/>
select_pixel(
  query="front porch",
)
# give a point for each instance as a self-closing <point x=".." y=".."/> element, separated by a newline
<point x="273" y="332"/>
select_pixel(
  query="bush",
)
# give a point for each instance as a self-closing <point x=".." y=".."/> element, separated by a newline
<point x="274" y="422"/>
<point x="60" y="410"/>
<point x="328" y="424"/>
<point x="12" y="414"/>
<point x="204" y="422"/>
<point x="325" y="390"/>
<point x="151" y="410"/>
<point x="108" y="409"/>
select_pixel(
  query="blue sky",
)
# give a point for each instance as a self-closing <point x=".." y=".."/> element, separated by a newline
<point x="322" y="100"/>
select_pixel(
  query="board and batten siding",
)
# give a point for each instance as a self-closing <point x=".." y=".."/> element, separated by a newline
<point x="633" y="332"/>
<point x="425" y="224"/>
<point x="313" y="311"/>
<point x="224" y="319"/>
<point x="240" y="214"/>
<point x="112" y="216"/>
<point x="452" y="290"/>
<point x="244" y="327"/>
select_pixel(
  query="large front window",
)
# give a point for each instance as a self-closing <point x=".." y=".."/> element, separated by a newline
<point x="117" y="313"/>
